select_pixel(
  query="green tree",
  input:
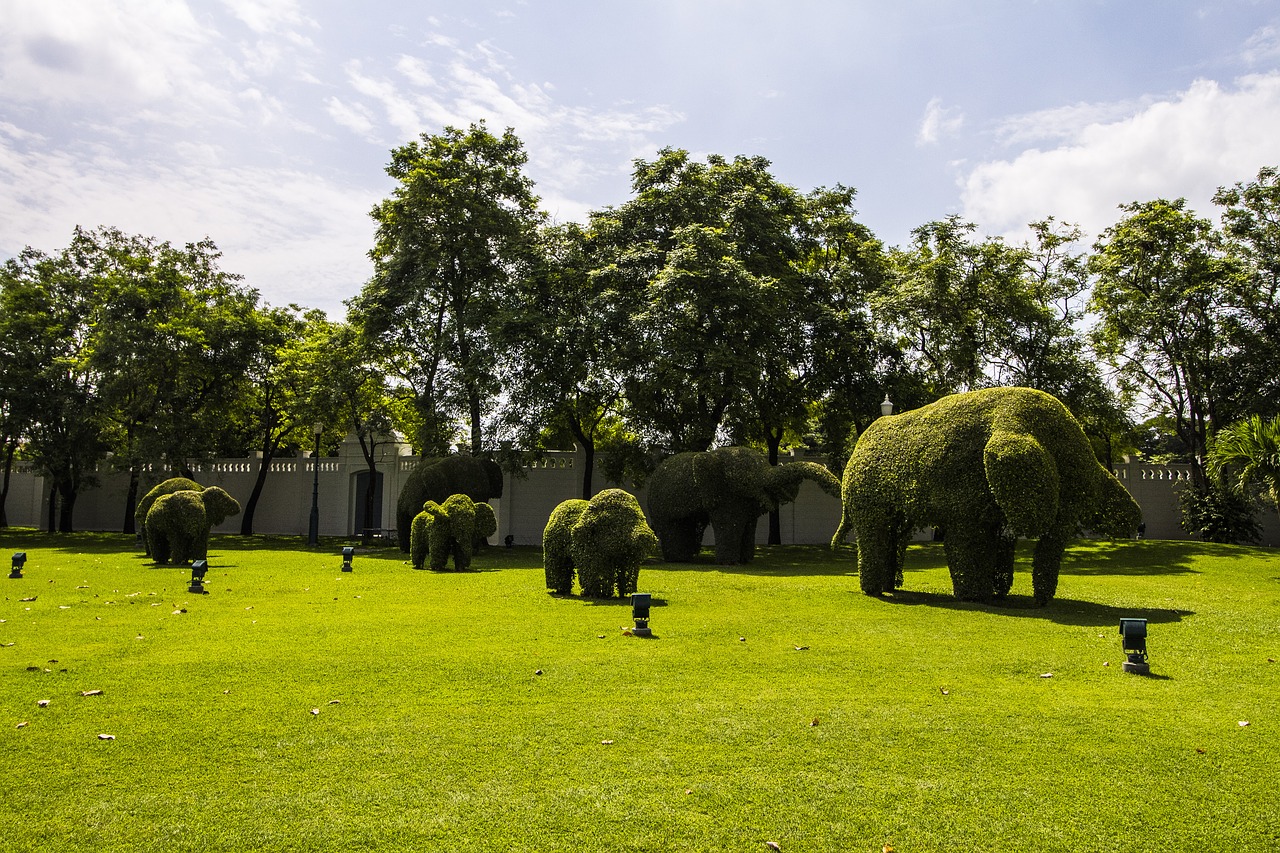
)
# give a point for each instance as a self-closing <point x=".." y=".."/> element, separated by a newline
<point x="1251" y="226"/>
<point x="171" y="339"/>
<point x="562" y="337"/>
<point x="1163" y="293"/>
<point x="1247" y="453"/>
<point x="702" y="261"/>
<point x="955" y="302"/>
<point x="52" y="398"/>
<point x="352" y="395"/>
<point x="457" y="230"/>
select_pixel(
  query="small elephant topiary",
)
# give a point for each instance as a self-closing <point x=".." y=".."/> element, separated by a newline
<point x="443" y="530"/>
<point x="987" y="467"/>
<point x="604" y="539"/>
<point x="729" y="488"/>
<point x="437" y="479"/>
<point x="178" y="524"/>
<point x="167" y="487"/>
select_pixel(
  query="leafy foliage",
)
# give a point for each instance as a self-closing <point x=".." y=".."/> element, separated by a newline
<point x="1248" y="453"/>
<point x="1219" y="514"/>
<point x="167" y="487"/>
<point x="987" y="466"/>
<point x="604" y="539"/>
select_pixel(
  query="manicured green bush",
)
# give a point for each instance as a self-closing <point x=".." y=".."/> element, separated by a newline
<point x="987" y="466"/>
<point x="167" y="487"/>
<point x="486" y="525"/>
<point x="728" y="488"/>
<point x="1219" y="514"/>
<point x="605" y="540"/>
<point x="437" y="479"/>
<point x="178" y="524"/>
<point x="442" y="531"/>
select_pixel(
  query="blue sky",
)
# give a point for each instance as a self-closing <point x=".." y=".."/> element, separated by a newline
<point x="266" y="125"/>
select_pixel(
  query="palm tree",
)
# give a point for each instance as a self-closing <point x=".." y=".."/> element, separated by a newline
<point x="1249" y="452"/>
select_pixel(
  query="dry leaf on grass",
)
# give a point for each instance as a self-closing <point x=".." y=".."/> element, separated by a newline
<point x="606" y="743"/>
<point x="43" y="703"/>
<point x="90" y="692"/>
<point x="106" y="737"/>
<point x="1243" y="723"/>
<point x="315" y="710"/>
<point x="773" y="845"/>
<point x="22" y="725"/>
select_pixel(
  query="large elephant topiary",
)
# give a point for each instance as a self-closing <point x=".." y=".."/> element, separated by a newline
<point x="605" y="539"/>
<point x="987" y="467"/>
<point x="178" y="524"/>
<point x="437" y="479"/>
<point x="167" y="487"/>
<point x="729" y="488"/>
<point x="444" y="530"/>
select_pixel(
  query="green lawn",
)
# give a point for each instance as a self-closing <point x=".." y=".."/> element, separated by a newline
<point x="776" y="703"/>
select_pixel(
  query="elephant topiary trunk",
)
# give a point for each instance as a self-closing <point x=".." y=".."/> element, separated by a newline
<point x="729" y="489"/>
<point x="604" y="539"/>
<point x="988" y="467"/>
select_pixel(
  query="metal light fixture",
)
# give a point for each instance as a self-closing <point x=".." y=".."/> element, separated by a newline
<point x="313" y="528"/>
<point x="886" y="407"/>
<point x="19" y="559"/>
<point x="198" y="570"/>
<point x="348" y="554"/>
<point x="1134" y="643"/>
<point x="640" y="612"/>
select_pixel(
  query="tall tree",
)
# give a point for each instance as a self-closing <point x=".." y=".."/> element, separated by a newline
<point x="1247" y="453"/>
<point x="1251" y="225"/>
<point x="1163" y="293"/>
<point x="562" y="338"/>
<point x="52" y="392"/>
<point x="703" y="262"/>
<point x="172" y="338"/>
<point x="953" y="303"/>
<point x="459" y="227"/>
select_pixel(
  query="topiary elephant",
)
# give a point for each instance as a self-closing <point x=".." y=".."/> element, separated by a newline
<point x="729" y="488"/>
<point x="178" y="524"/>
<point x="987" y="466"/>
<point x="605" y="539"/>
<point x="167" y="487"/>
<point x="437" y="479"/>
<point x="443" y="530"/>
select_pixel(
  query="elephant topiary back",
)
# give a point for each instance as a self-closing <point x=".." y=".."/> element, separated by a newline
<point x="444" y="530"/>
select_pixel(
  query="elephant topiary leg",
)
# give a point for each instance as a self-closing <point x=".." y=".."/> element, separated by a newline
<point x="971" y="556"/>
<point x="679" y="538"/>
<point x="877" y="562"/>
<point x="1003" y="577"/>
<point x="1046" y="563"/>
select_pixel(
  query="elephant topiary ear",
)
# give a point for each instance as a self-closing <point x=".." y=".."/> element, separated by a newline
<point x="1023" y="479"/>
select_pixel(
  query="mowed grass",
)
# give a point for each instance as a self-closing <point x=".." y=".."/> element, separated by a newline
<point x="776" y="703"/>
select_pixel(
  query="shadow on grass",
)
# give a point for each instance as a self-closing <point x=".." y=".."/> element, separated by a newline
<point x="1063" y="611"/>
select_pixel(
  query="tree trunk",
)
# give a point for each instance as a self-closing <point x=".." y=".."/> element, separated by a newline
<point x="589" y="464"/>
<point x="69" y="493"/>
<point x="131" y="501"/>
<point x="53" y="508"/>
<point x="246" y="523"/>
<point x="4" y="487"/>
<point x="774" y="439"/>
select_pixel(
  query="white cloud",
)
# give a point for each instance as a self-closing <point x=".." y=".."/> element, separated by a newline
<point x="568" y="146"/>
<point x="1262" y="46"/>
<point x="938" y="121"/>
<point x="87" y="52"/>
<point x="1185" y="146"/>
<point x="296" y="235"/>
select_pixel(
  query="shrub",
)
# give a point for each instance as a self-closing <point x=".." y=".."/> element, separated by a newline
<point x="605" y="540"/>
<point x="1219" y="514"/>
<point x="437" y="479"/>
<point x="178" y="524"/>
<point x="167" y="487"/>
<point x="987" y="466"/>
<point x="442" y="531"/>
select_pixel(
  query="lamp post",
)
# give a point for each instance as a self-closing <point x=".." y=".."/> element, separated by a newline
<point x="886" y="407"/>
<point x="313" y="529"/>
